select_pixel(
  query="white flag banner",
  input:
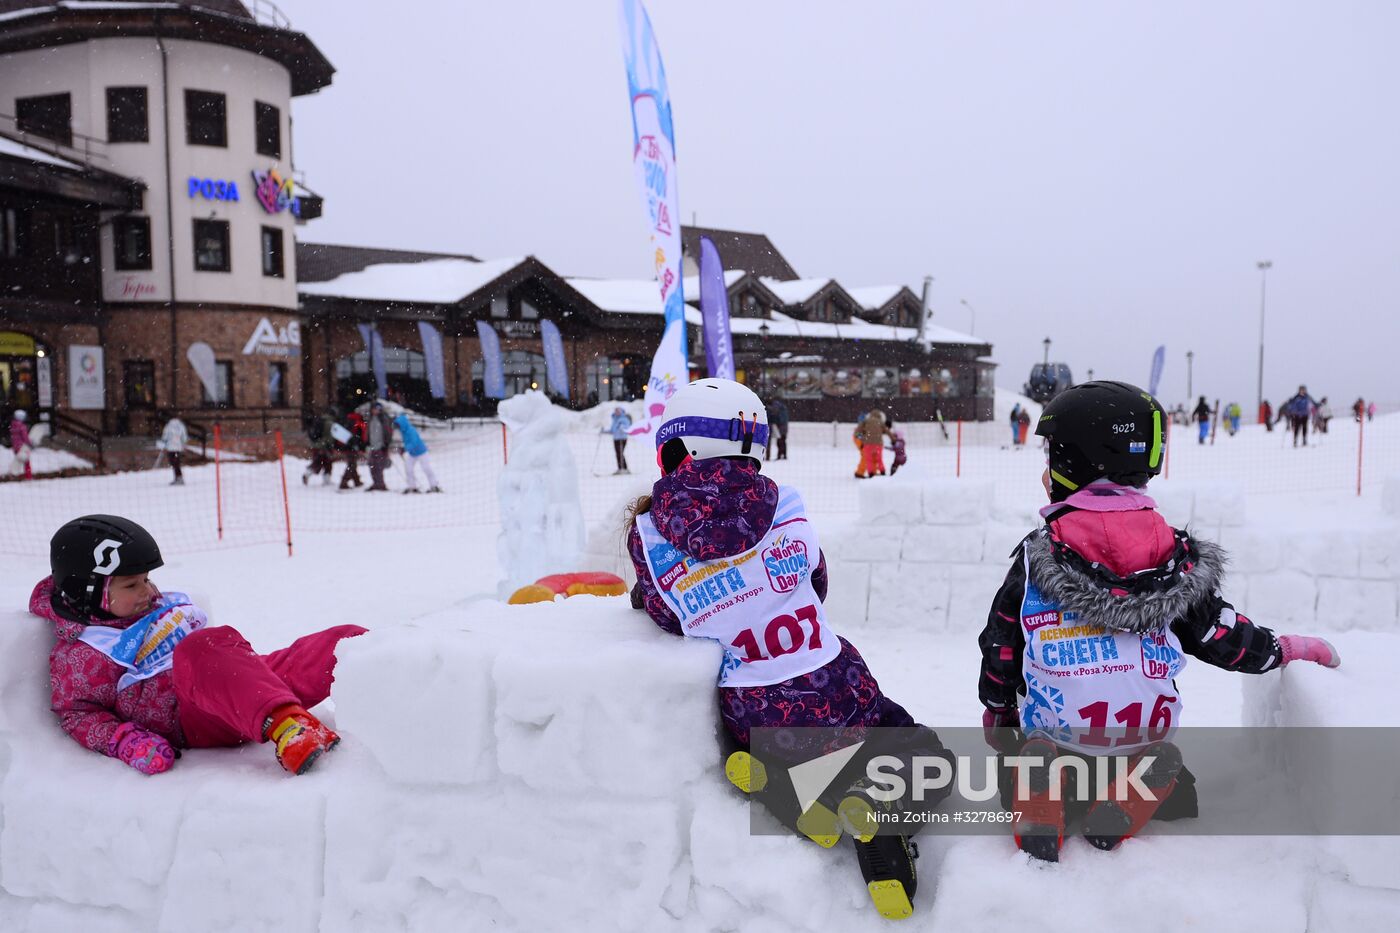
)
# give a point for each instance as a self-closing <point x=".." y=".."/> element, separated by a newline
<point x="654" y="161"/>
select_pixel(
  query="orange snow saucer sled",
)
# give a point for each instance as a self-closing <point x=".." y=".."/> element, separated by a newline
<point x="586" y="583"/>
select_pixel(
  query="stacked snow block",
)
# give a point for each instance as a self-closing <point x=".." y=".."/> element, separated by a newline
<point x="1359" y="693"/>
<point x="932" y="555"/>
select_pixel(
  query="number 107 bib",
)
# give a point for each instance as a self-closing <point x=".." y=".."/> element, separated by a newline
<point x="759" y="604"/>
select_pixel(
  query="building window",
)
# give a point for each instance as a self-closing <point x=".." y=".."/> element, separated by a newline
<point x="499" y="307"/>
<point x="50" y="116"/>
<point x="267" y="121"/>
<point x="223" y="387"/>
<point x="277" y="385"/>
<point x="14" y="229"/>
<point x="206" y="123"/>
<point x="139" y="379"/>
<point x="272" y="252"/>
<point x="126" y="115"/>
<point x="131" y="238"/>
<point x="211" y="246"/>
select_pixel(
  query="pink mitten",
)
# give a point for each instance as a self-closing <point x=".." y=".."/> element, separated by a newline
<point x="994" y="719"/>
<point x="144" y="751"/>
<point x="1307" y="648"/>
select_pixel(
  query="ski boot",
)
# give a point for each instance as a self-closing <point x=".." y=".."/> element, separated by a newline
<point x="1126" y="812"/>
<point x="1040" y="815"/>
<point x="300" y="738"/>
<point x="887" y="864"/>
<point x="817" y="822"/>
<point x="746" y="772"/>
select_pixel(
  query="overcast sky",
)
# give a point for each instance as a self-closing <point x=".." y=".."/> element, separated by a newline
<point x="1105" y="174"/>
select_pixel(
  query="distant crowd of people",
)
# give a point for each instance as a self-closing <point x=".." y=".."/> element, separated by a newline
<point x="1299" y="413"/>
<point x="369" y="432"/>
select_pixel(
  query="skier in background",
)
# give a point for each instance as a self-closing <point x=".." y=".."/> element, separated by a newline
<point x="379" y="435"/>
<point x="321" y="433"/>
<point x="778" y="421"/>
<point x="1202" y="416"/>
<point x="359" y="434"/>
<point x="19" y="444"/>
<point x="195" y="687"/>
<point x="897" y="445"/>
<point x="1140" y="592"/>
<point x="1023" y="426"/>
<point x="620" y="429"/>
<point x="173" y="438"/>
<point x="1299" y="410"/>
<point x="1232" y="417"/>
<point x="710" y="506"/>
<point x="415" y="454"/>
<point x="1371" y="412"/>
<point x="1266" y="415"/>
<point x="1016" y="425"/>
<point x="870" y="436"/>
<point x="1358" y="409"/>
<point x="1322" y="415"/>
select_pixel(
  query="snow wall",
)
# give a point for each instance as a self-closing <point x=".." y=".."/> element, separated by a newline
<point x="556" y="767"/>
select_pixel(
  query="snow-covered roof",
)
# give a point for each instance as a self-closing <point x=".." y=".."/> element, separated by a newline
<point x="874" y="297"/>
<point x="640" y="296"/>
<point x="13" y="147"/>
<point x="796" y="291"/>
<point x="438" y="281"/>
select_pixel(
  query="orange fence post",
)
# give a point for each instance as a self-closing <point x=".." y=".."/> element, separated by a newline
<point x="218" y="482"/>
<point x="1360" y="446"/>
<point x="959" y="460"/>
<point x="286" y="508"/>
<point x="505" y="451"/>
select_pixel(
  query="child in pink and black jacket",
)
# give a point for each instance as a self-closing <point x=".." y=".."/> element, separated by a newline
<point x="137" y="673"/>
<point x="1101" y="607"/>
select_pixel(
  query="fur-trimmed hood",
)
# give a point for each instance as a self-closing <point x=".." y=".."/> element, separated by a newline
<point x="1139" y="603"/>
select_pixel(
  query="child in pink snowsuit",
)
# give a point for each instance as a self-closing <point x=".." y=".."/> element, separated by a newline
<point x="137" y="673"/>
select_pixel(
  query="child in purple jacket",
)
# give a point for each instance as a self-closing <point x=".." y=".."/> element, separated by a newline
<point x="723" y="552"/>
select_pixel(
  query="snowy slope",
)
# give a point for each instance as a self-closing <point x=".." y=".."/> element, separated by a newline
<point x="557" y="766"/>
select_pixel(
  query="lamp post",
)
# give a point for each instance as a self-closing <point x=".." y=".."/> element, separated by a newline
<point x="1046" y="341"/>
<point x="973" y="326"/>
<point x="1264" y="266"/>
<point x="1189" y="356"/>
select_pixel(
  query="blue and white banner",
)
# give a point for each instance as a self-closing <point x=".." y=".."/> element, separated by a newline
<point x="556" y="367"/>
<point x="374" y="348"/>
<point x="1159" y="359"/>
<point x="494" y="375"/>
<point x="654" y="162"/>
<point x="432" y="358"/>
<point x="714" y="311"/>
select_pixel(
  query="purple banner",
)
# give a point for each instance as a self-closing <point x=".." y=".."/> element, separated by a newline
<point x="374" y="348"/>
<point x="714" y="310"/>
<point x="493" y="377"/>
<point x="432" y="359"/>
<point x="556" y="367"/>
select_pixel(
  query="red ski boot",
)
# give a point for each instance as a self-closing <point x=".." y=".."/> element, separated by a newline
<point x="299" y="738"/>
<point x="1127" y="811"/>
<point x="1040" y="815"/>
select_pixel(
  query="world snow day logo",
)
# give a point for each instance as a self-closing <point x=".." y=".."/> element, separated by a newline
<point x="786" y="562"/>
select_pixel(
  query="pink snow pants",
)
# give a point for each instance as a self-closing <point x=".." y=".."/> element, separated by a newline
<point x="225" y="690"/>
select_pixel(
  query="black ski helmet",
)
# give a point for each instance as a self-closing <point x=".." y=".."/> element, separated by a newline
<point x="87" y="552"/>
<point x="1102" y="429"/>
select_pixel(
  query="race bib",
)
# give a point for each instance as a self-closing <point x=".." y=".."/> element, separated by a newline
<point x="1092" y="688"/>
<point x="759" y="604"/>
<point x="147" y="647"/>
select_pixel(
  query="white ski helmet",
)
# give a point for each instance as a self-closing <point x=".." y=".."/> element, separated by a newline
<point x="715" y="418"/>
<point x="21" y="414"/>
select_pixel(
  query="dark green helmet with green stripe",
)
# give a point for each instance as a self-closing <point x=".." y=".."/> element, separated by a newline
<point x="1102" y="430"/>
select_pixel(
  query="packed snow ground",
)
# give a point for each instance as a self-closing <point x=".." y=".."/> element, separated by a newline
<point x="556" y="766"/>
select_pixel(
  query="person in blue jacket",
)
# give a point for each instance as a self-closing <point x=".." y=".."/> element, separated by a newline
<point x="415" y="454"/>
<point x="620" y="430"/>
